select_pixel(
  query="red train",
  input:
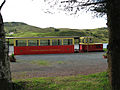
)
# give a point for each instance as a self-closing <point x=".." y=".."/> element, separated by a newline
<point x="87" y="44"/>
<point x="53" y="45"/>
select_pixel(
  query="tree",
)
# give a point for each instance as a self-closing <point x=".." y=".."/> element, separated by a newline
<point x="112" y="9"/>
<point x="74" y="6"/>
<point x="5" y="76"/>
<point x="113" y="15"/>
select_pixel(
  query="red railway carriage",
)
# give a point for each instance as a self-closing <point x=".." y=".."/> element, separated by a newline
<point x="87" y="44"/>
<point x="43" y="45"/>
<point x="53" y="45"/>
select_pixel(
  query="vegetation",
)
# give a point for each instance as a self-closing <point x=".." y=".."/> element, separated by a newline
<point x="41" y="62"/>
<point x="19" y="29"/>
<point x="97" y="81"/>
<point x="105" y="49"/>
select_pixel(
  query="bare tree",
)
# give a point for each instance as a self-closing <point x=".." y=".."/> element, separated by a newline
<point x="74" y="6"/>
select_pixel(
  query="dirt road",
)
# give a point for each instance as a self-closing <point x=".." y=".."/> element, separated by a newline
<point x="51" y="65"/>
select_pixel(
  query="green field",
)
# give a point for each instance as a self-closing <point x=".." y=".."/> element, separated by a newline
<point x="97" y="81"/>
<point x="23" y="30"/>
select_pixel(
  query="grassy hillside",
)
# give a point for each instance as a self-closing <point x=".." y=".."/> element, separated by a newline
<point x="23" y="30"/>
<point x="18" y="27"/>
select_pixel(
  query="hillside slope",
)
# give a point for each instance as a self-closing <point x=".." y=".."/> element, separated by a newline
<point x="19" y="29"/>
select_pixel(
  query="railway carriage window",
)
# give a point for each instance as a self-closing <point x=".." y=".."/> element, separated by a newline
<point x="16" y="42"/>
<point x="59" y="42"/>
<point x="44" y="42"/>
<point x="33" y="43"/>
<point x="82" y="40"/>
<point x="70" y="41"/>
<point x="90" y="40"/>
<point x="21" y="43"/>
<point x="86" y="40"/>
<point x="56" y="42"/>
<point x="48" y="42"/>
<point x="65" y="42"/>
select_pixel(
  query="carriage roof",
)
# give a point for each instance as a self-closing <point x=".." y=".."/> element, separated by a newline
<point x="42" y="37"/>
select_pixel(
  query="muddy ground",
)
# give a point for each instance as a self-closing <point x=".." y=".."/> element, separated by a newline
<point x="52" y="65"/>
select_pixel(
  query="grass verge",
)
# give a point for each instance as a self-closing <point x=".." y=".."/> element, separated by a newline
<point x="97" y="81"/>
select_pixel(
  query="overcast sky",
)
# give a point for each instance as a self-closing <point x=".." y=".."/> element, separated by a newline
<point x="32" y="13"/>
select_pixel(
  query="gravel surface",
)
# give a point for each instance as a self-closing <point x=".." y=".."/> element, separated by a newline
<point x="58" y="65"/>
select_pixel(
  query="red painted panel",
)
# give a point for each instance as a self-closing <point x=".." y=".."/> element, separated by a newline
<point x="81" y="48"/>
<point x="94" y="47"/>
<point x="27" y="50"/>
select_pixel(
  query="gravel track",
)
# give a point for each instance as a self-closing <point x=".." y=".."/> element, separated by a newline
<point x="60" y="65"/>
